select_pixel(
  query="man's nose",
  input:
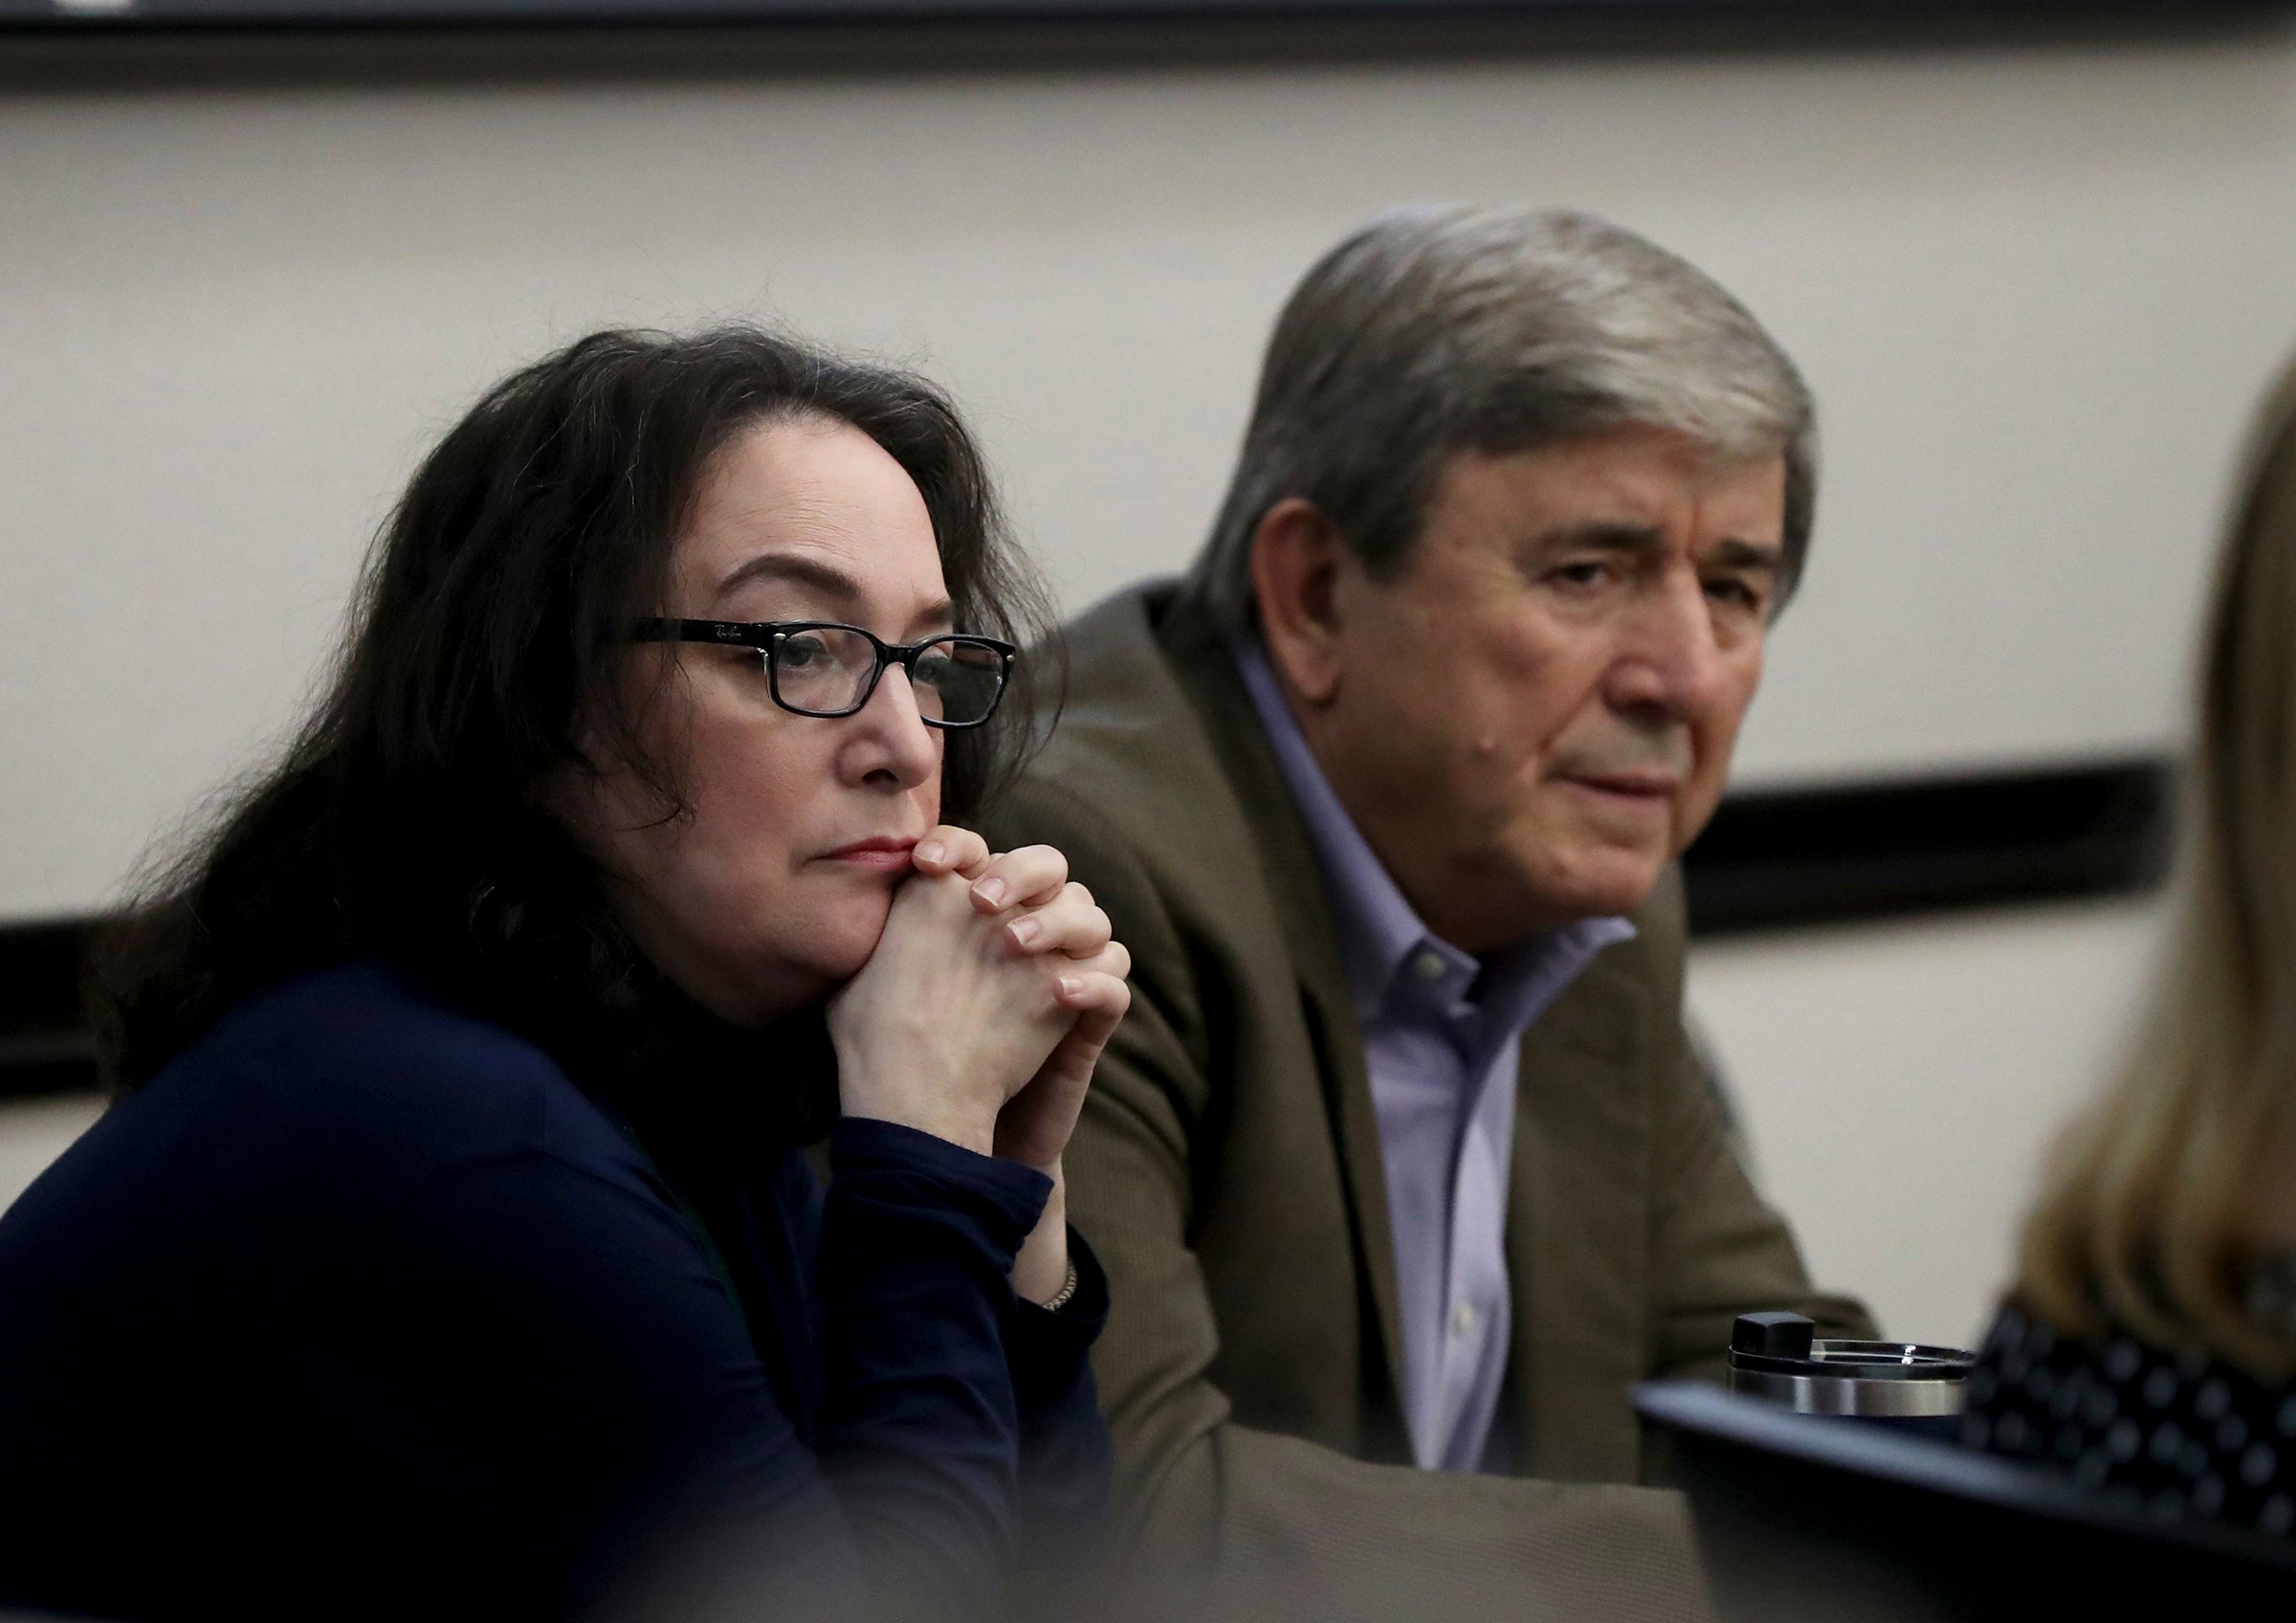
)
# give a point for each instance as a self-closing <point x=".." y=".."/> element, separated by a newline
<point x="1669" y="660"/>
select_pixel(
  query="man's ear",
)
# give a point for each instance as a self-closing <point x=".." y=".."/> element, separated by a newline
<point x="1296" y="556"/>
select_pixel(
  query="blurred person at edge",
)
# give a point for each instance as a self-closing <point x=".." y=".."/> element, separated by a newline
<point x="454" y="1244"/>
<point x="2148" y="1347"/>
<point x="1403" y="1168"/>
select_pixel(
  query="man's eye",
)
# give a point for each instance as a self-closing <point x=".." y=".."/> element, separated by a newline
<point x="1737" y="593"/>
<point x="1588" y="573"/>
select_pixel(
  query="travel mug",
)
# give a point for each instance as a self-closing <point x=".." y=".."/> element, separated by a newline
<point x="1781" y="1359"/>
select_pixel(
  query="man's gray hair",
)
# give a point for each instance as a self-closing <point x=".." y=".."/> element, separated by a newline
<point x="1432" y="332"/>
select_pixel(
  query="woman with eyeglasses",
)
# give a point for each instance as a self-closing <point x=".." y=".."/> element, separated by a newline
<point x="454" y="1246"/>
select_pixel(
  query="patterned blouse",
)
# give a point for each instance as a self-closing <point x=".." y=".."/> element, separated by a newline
<point x="2182" y="1434"/>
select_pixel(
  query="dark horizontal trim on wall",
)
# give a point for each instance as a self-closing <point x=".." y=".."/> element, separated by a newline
<point x="1849" y="853"/>
<point x="45" y="1045"/>
<point x="141" y="50"/>
<point x="451" y="38"/>
<point x="1772" y="860"/>
<point x="123" y="15"/>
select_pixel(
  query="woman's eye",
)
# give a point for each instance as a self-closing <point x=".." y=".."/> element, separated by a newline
<point x="800" y="652"/>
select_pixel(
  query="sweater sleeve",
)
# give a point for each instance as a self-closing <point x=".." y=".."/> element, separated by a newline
<point x="536" y="1366"/>
<point x="1068" y="1459"/>
<point x="922" y="1427"/>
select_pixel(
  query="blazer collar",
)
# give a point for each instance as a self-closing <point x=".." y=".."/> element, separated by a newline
<point x="1205" y="669"/>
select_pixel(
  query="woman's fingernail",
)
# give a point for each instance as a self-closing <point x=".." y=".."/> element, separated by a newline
<point x="931" y="851"/>
<point x="1071" y="986"/>
<point x="991" y="891"/>
<point x="1024" y="931"/>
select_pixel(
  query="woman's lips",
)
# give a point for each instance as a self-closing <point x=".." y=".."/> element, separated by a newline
<point x="883" y="855"/>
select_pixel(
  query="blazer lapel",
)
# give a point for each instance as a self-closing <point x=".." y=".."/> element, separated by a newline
<point x="1578" y="1231"/>
<point x="1208" y="672"/>
<point x="1331" y="1018"/>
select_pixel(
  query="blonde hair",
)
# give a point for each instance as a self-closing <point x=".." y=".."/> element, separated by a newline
<point x="2148" y="1205"/>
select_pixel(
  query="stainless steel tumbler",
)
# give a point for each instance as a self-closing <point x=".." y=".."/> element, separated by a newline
<point x="1780" y="1358"/>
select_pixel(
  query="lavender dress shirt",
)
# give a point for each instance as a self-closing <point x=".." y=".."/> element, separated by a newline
<point x="1441" y="1034"/>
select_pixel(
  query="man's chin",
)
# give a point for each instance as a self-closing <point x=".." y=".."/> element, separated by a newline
<point x="1609" y="884"/>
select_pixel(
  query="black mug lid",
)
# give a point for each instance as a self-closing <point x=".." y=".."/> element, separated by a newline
<point x="1786" y="1344"/>
<point x="1773" y="1335"/>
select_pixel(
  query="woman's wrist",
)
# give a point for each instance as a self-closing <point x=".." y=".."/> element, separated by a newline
<point x="938" y="1117"/>
<point x="1041" y="1270"/>
<point x="946" y="1130"/>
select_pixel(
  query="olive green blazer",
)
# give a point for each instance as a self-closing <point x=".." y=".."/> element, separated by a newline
<point x="1227" y="1170"/>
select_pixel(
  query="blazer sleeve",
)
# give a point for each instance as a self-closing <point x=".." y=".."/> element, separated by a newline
<point x="1719" y="1249"/>
<point x="1221" y="1520"/>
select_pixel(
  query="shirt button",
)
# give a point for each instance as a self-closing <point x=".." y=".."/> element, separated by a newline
<point x="1429" y="967"/>
<point x="1463" y="1320"/>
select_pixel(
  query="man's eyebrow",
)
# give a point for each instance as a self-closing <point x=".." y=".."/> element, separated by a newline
<point x="1606" y="535"/>
<point x="1735" y="553"/>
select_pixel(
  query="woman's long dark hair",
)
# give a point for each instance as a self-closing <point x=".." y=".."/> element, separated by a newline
<point x="404" y="818"/>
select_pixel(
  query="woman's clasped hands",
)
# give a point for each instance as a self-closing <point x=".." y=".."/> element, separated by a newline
<point x="982" y="1013"/>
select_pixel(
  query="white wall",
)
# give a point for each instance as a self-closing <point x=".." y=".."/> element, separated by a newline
<point x="1901" y="1086"/>
<point x="35" y="1131"/>
<point x="2036" y="291"/>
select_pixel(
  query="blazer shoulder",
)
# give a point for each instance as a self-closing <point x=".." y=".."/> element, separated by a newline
<point x="1130" y="780"/>
<point x="1126" y="717"/>
<point x="1154" y="786"/>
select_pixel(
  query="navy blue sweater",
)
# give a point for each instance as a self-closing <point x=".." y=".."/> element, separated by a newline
<point x="362" y="1307"/>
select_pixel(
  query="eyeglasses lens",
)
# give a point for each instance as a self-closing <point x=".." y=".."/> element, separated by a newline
<point x="958" y="681"/>
<point x="826" y="671"/>
<point x="823" y="670"/>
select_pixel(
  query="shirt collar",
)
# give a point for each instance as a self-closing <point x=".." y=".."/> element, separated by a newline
<point x="1385" y="948"/>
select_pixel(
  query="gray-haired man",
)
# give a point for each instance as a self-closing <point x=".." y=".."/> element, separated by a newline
<point x="1401" y="1168"/>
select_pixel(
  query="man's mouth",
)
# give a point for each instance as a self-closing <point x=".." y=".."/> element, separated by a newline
<point x="1630" y="788"/>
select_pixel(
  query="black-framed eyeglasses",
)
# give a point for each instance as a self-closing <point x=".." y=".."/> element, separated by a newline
<point x="819" y="668"/>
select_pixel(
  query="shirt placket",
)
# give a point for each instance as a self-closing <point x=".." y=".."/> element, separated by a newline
<point x="1471" y="1308"/>
<point x="1479" y="1322"/>
<point x="1417" y="1089"/>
